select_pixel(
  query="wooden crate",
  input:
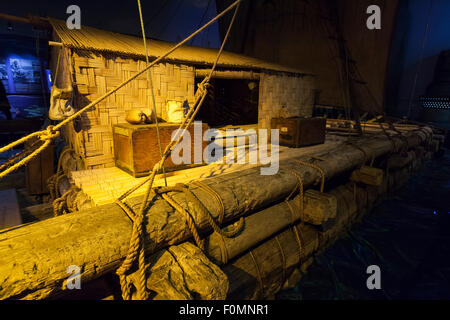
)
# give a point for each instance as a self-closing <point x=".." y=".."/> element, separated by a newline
<point x="300" y="132"/>
<point x="136" y="148"/>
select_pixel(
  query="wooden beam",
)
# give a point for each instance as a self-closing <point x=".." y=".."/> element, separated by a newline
<point x="248" y="75"/>
<point x="55" y="44"/>
<point x="36" y="21"/>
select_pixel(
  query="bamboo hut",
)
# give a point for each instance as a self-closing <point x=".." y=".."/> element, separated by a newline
<point x="96" y="61"/>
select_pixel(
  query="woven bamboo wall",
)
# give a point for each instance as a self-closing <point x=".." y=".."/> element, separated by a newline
<point x="96" y="74"/>
<point x="284" y="96"/>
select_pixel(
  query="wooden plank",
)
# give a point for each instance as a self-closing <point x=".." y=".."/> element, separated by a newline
<point x="9" y="209"/>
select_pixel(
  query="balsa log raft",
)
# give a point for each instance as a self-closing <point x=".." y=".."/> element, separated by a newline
<point x="34" y="258"/>
<point x="283" y="269"/>
<point x="260" y="265"/>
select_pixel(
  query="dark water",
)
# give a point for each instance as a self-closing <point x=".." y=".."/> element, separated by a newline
<point x="407" y="236"/>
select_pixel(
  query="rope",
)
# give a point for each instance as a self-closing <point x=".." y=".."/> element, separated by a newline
<point x="258" y="273"/>
<point x="53" y="181"/>
<point x="316" y="167"/>
<point x="53" y="131"/>
<point x="45" y="135"/>
<point x="150" y="81"/>
<point x="299" y="243"/>
<point x="353" y="144"/>
<point x="283" y="260"/>
<point x="207" y="188"/>
<point x="19" y="155"/>
<point x="223" y="250"/>
<point x="66" y="203"/>
<point x="189" y="220"/>
<point x="60" y="205"/>
<point x="300" y="212"/>
<point x="136" y="248"/>
<point x="198" y="207"/>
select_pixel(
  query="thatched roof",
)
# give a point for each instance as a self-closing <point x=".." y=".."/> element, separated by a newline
<point x="97" y="40"/>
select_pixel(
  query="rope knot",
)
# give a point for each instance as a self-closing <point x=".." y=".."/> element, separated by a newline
<point x="49" y="134"/>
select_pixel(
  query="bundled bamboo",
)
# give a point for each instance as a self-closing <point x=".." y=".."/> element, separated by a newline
<point x="34" y="258"/>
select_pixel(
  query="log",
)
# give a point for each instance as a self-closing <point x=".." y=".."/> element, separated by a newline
<point x="243" y="274"/>
<point x="34" y="258"/>
<point x="258" y="227"/>
<point x="368" y="175"/>
<point x="181" y="270"/>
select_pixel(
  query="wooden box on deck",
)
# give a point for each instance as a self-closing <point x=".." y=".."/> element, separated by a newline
<point x="136" y="148"/>
<point x="300" y="132"/>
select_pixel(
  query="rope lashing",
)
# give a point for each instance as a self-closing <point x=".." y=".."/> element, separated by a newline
<point x="136" y="242"/>
<point x="299" y="243"/>
<point x="198" y="208"/>
<point x="207" y="188"/>
<point x="223" y="250"/>
<point x="45" y="135"/>
<point x="66" y="203"/>
<point x="283" y="259"/>
<point x="135" y="250"/>
<point x="394" y="146"/>
<point x="258" y="273"/>
<point x="187" y="216"/>
<point x="53" y="181"/>
<point x="300" y="212"/>
<point x="316" y="167"/>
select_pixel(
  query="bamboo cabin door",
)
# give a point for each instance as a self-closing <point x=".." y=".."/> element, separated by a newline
<point x="230" y="102"/>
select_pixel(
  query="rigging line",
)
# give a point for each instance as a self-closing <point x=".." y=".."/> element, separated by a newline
<point x="51" y="132"/>
<point x="150" y="81"/>
<point x="424" y="40"/>
<point x="150" y="20"/>
<point x="163" y="30"/>
<point x="202" y="18"/>
<point x="206" y="37"/>
<point x="326" y="26"/>
<point x="157" y="60"/>
<point x="191" y="114"/>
